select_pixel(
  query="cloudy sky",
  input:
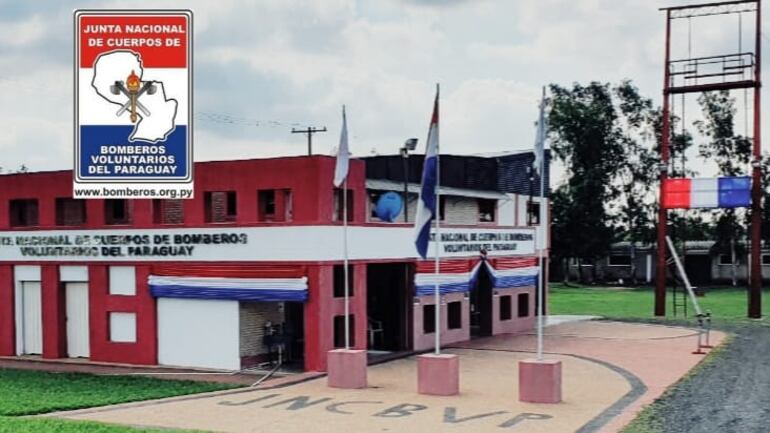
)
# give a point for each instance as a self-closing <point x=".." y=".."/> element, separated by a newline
<point x="262" y="67"/>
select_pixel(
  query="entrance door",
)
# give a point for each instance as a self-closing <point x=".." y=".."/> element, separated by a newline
<point x="31" y="319"/>
<point x="77" y="320"/>
<point x="387" y="303"/>
<point x="481" y="305"/>
<point x="294" y="329"/>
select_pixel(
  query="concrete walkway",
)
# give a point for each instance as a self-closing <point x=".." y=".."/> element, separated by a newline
<point x="244" y="377"/>
<point x="610" y="370"/>
<point x="657" y="356"/>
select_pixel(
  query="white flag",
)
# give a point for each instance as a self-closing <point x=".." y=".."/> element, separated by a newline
<point x="540" y="136"/>
<point x="343" y="155"/>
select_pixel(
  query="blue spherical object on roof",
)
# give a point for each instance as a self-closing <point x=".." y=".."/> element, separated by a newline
<point x="389" y="206"/>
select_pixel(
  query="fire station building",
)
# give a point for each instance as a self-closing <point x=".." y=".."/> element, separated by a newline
<point x="253" y="264"/>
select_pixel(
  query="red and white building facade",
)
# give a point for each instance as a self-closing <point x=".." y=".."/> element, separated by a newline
<point x="254" y="260"/>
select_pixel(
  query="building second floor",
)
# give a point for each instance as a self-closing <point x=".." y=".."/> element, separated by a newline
<point x="272" y="192"/>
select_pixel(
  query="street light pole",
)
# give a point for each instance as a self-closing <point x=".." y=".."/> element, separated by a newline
<point x="409" y="144"/>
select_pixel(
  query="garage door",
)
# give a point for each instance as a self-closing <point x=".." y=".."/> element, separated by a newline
<point x="198" y="333"/>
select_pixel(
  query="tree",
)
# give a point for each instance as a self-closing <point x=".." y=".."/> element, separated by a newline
<point x="766" y="200"/>
<point x="637" y="176"/>
<point x="732" y="154"/>
<point x="587" y="137"/>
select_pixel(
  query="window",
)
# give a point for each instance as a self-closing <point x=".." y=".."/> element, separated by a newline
<point x="338" y="210"/>
<point x="455" y="315"/>
<point x="123" y="327"/>
<point x="122" y="280"/>
<point x="374" y="197"/>
<point x="441" y="208"/>
<point x="766" y="259"/>
<point x="266" y="201"/>
<point x="725" y="259"/>
<point x="117" y="211"/>
<point x="505" y="307"/>
<point x="274" y="205"/>
<point x="339" y="281"/>
<point x="428" y="319"/>
<point x="339" y="330"/>
<point x="533" y="213"/>
<point x="232" y="206"/>
<point x="168" y="211"/>
<point x="288" y="205"/>
<point x="523" y="304"/>
<point x="70" y="212"/>
<point x="620" y="260"/>
<point x="220" y="206"/>
<point x="487" y="208"/>
<point x="23" y="212"/>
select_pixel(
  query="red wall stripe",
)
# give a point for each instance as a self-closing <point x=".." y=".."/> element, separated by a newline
<point x="54" y="313"/>
<point x="230" y="271"/>
<point x="7" y="317"/>
<point x="449" y="266"/>
<point x="513" y="262"/>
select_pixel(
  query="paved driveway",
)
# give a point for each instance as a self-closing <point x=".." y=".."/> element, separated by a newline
<point x="610" y="369"/>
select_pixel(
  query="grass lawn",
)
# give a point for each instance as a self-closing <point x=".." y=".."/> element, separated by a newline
<point x="25" y="392"/>
<point x="725" y="304"/>
<point x="51" y="425"/>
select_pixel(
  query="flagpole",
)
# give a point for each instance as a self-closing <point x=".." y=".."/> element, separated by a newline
<point x="437" y="241"/>
<point x="541" y="239"/>
<point x="540" y="291"/>
<point x="346" y="284"/>
<point x="345" y="259"/>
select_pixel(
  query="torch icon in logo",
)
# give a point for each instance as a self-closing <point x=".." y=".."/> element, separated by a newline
<point x="133" y="89"/>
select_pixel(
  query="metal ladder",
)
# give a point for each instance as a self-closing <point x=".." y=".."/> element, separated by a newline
<point x="678" y="294"/>
<point x="704" y="320"/>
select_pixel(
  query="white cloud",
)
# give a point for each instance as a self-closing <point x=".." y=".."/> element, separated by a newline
<point x="21" y="33"/>
<point x="478" y="114"/>
<point x="298" y="61"/>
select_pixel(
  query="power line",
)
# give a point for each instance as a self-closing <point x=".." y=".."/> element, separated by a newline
<point x="228" y="119"/>
<point x="309" y="131"/>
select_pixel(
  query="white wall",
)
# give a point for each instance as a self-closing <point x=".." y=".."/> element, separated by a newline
<point x="73" y="274"/>
<point x="287" y="243"/>
<point x="122" y="280"/>
<point x="506" y="211"/>
<point x="198" y="333"/>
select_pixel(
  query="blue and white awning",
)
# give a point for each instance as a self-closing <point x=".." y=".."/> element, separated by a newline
<point x="425" y="283"/>
<point x="514" y="277"/>
<point x="239" y="289"/>
<point x="507" y="273"/>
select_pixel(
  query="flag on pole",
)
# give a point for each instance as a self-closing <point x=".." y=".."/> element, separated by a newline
<point x="540" y="136"/>
<point x="426" y="205"/>
<point x="343" y="155"/>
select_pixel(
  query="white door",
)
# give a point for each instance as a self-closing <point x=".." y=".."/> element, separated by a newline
<point x="199" y="333"/>
<point x="32" y="318"/>
<point x="77" y="320"/>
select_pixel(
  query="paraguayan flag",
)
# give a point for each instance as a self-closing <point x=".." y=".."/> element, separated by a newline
<point x="427" y="205"/>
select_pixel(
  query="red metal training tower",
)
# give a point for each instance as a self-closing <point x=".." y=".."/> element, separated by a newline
<point x="739" y="70"/>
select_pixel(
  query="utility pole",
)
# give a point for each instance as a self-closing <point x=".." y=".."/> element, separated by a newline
<point x="309" y="131"/>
